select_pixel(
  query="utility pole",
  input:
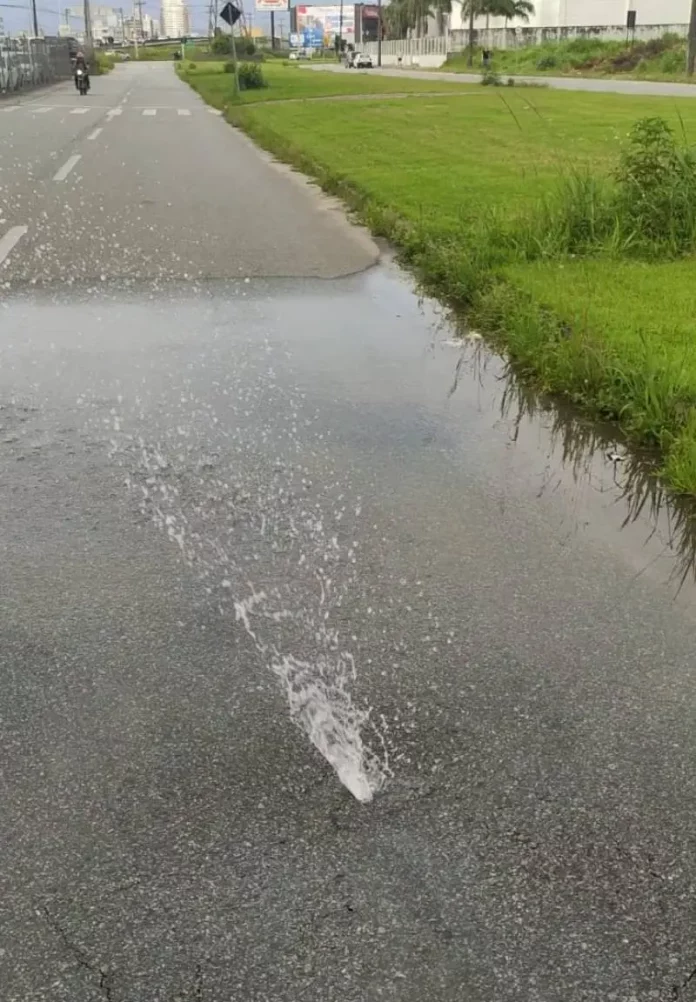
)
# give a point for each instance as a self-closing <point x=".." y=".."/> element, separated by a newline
<point x="340" y="33"/>
<point x="234" y="61"/>
<point x="379" y="31"/>
<point x="472" y="15"/>
<point x="123" y="27"/>
<point x="272" y="30"/>
<point x="89" y="39"/>
<point x="137" y="23"/>
<point x="35" y="18"/>
<point x="691" y="47"/>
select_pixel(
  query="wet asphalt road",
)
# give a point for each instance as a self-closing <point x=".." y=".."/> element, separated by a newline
<point x="315" y="454"/>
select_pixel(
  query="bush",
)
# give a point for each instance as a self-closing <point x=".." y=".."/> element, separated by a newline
<point x="247" y="47"/>
<point x="673" y="62"/>
<point x="250" y="75"/>
<point x="548" y="62"/>
<point x="489" y="78"/>
<point x="101" y="63"/>
<point x="221" y="45"/>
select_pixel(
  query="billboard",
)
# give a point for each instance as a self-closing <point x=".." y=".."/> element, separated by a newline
<point x="318" y="26"/>
<point x="279" y="6"/>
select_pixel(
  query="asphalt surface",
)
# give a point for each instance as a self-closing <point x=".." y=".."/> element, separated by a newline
<point x="217" y="498"/>
<point x="636" y="87"/>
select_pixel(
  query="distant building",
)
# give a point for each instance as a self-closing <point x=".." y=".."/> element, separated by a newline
<point x="588" y="14"/>
<point x="107" y="24"/>
<point x="143" y="29"/>
<point x="174" y="19"/>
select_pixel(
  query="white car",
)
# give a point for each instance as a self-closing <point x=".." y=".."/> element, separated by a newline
<point x="361" y="61"/>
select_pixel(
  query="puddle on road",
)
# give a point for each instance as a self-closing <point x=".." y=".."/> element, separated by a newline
<point x="588" y="459"/>
<point x="256" y="425"/>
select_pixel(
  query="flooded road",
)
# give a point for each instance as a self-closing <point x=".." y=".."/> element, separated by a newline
<point x="333" y="667"/>
<point x="238" y="519"/>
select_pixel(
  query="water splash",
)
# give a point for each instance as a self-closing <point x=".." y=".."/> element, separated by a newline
<point x="237" y="518"/>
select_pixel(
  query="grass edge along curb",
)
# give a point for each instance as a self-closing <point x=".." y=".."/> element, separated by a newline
<point x="543" y="348"/>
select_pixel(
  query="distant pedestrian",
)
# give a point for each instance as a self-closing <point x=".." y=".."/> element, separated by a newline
<point x="486" y="58"/>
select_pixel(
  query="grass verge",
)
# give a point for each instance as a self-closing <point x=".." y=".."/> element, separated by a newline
<point x="658" y="59"/>
<point x="469" y="190"/>
<point x="103" y="64"/>
<point x="292" y="83"/>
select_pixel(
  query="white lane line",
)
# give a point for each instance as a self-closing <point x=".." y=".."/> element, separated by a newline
<point x="183" y="111"/>
<point x="66" y="168"/>
<point x="79" y="111"/>
<point x="10" y="241"/>
<point x="150" y="111"/>
<point x="13" y="108"/>
<point x="41" y="111"/>
<point x="93" y="135"/>
<point x="113" y="112"/>
<point x="214" y="111"/>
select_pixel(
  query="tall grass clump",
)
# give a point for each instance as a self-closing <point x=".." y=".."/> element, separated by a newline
<point x="656" y="192"/>
<point x="646" y="208"/>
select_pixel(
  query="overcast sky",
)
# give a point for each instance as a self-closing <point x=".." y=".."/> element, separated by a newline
<point x="17" y="16"/>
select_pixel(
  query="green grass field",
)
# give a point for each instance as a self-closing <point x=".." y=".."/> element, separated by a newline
<point x="437" y="175"/>
<point x="292" y="82"/>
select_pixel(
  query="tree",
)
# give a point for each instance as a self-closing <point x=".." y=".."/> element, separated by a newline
<point x="520" y="10"/>
<point x="515" y="10"/>
<point x="404" y="16"/>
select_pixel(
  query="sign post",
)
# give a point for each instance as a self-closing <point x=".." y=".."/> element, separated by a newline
<point x="230" y="15"/>
<point x="631" y="25"/>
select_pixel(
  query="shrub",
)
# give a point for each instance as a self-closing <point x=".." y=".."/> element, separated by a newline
<point x="673" y="62"/>
<point x="250" y="75"/>
<point x="489" y="78"/>
<point x="221" y="45"/>
<point x="547" y="62"/>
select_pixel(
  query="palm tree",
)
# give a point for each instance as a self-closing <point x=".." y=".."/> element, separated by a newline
<point x="509" y="9"/>
<point x="402" y="16"/>
<point x="515" y="10"/>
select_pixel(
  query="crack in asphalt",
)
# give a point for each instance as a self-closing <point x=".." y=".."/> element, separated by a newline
<point x="82" y="958"/>
<point x="678" y="989"/>
<point x="198" y="983"/>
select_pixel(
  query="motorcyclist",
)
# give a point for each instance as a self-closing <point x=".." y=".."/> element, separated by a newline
<point x="81" y="64"/>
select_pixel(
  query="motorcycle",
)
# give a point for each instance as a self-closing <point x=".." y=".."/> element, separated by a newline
<point x="82" y="82"/>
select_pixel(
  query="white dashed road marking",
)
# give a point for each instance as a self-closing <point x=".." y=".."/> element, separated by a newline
<point x="79" y="111"/>
<point x="183" y="111"/>
<point x="41" y="111"/>
<point x="10" y="241"/>
<point x="66" y="168"/>
<point x="214" y="111"/>
<point x="93" y="135"/>
<point x="150" y="111"/>
<point x="13" y="108"/>
<point x="113" y="112"/>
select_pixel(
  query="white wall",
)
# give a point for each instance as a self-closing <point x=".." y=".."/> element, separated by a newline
<point x="587" y="13"/>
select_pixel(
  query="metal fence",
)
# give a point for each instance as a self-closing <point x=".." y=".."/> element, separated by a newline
<point x="27" y="63"/>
